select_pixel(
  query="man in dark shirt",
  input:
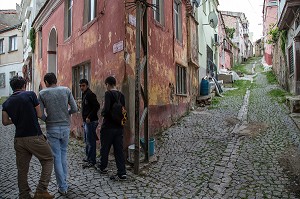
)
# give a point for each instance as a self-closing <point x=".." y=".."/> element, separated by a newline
<point x="111" y="132"/>
<point x="22" y="109"/>
<point x="90" y="107"/>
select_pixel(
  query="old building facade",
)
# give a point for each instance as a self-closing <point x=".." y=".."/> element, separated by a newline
<point x="27" y="12"/>
<point x="208" y="37"/>
<point x="287" y="49"/>
<point x="76" y="39"/>
<point x="270" y="8"/>
<point x="240" y="24"/>
<point x="11" y="49"/>
<point x="227" y="49"/>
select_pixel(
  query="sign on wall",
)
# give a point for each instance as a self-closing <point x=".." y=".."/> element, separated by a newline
<point x="117" y="47"/>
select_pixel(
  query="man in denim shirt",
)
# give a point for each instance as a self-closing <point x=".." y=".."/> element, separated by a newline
<point x="90" y="107"/>
<point x="57" y="100"/>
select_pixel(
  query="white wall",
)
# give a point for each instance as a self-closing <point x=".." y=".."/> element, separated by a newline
<point x="206" y="36"/>
<point x="13" y="67"/>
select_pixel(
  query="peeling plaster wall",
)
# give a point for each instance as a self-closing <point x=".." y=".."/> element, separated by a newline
<point x="164" y="53"/>
<point x="94" y="43"/>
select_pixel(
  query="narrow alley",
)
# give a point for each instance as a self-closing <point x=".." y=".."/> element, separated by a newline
<point x="230" y="150"/>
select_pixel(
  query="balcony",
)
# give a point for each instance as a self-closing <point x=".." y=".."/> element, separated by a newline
<point x="287" y="15"/>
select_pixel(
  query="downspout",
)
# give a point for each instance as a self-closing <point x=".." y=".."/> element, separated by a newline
<point x="32" y="73"/>
<point x="174" y="63"/>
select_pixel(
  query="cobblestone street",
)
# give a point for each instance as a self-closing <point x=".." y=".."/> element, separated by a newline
<point x="210" y="153"/>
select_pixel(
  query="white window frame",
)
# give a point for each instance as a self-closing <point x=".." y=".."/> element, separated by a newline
<point x="13" y="43"/>
<point x="2" y="46"/>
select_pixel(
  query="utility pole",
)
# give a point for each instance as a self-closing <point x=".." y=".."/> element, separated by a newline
<point x="141" y="90"/>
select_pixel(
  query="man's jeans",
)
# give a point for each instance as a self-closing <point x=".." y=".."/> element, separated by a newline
<point x="90" y="140"/>
<point x="26" y="147"/>
<point x="58" y="138"/>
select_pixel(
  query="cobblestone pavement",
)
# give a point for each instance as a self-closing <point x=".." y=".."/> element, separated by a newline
<point x="207" y="154"/>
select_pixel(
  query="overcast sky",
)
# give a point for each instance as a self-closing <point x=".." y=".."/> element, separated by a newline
<point x="252" y="9"/>
<point x="8" y="4"/>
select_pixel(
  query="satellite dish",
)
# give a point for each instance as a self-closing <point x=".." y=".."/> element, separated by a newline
<point x="213" y="19"/>
<point x="196" y="3"/>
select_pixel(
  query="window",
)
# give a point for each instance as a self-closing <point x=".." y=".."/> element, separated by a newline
<point x="12" y="74"/>
<point x="90" y="10"/>
<point x="159" y="11"/>
<point x="272" y="3"/>
<point x="13" y="43"/>
<point x="40" y="44"/>
<point x="181" y="80"/>
<point x="81" y="71"/>
<point x="291" y="60"/>
<point x="2" y="80"/>
<point x="1" y="46"/>
<point x="178" y="19"/>
<point x="68" y="18"/>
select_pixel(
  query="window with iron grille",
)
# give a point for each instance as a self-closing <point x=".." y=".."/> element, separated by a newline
<point x="81" y="71"/>
<point x="90" y="10"/>
<point x="159" y="11"/>
<point x="291" y="59"/>
<point x="178" y="19"/>
<point x="13" y="43"/>
<point x="181" y="87"/>
<point x="1" y="46"/>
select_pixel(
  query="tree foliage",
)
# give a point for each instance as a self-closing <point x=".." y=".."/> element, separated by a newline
<point x="32" y="39"/>
<point x="274" y="34"/>
<point x="230" y="32"/>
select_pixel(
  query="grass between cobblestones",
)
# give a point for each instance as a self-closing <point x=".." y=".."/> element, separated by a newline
<point x="271" y="77"/>
<point x="241" y="88"/>
<point x="241" y="85"/>
<point x="278" y="95"/>
<point x="241" y="68"/>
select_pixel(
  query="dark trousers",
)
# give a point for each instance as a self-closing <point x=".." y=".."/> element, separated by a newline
<point x="90" y="140"/>
<point x="26" y="147"/>
<point x="109" y="137"/>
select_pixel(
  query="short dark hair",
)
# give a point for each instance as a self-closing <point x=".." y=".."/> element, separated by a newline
<point x="17" y="82"/>
<point x="84" y="81"/>
<point x="111" y="81"/>
<point x="50" y="78"/>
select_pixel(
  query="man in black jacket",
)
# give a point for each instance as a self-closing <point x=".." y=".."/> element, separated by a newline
<point x="90" y="107"/>
<point x="111" y="132"/>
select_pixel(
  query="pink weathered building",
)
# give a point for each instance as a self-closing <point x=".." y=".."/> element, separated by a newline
<point x="240" y="24"/>
<point x="94" y="39"/>
<point x="227" y="49"/>
<point x="270" y="9"/>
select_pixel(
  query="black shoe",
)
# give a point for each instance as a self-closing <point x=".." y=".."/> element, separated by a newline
<point x="102" y="171"/>
<point x="87" y="165"/>
<point x="118" y="177"/>
<point x="84" y="160"/>
<point x="64" y="193"/>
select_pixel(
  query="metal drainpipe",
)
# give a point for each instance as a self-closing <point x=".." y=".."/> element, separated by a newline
<point x="32" y="72"/>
